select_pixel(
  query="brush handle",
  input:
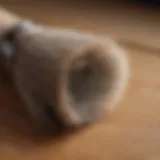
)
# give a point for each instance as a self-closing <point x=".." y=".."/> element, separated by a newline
<point x="7" y="20"/>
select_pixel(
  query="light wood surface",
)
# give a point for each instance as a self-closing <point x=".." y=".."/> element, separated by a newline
<point x="132" y="131"/>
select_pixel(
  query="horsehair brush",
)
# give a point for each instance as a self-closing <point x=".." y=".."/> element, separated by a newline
<point x="65" y="77"/>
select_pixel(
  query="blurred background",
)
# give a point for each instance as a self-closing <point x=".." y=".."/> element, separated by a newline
<point x="133" y="20"/>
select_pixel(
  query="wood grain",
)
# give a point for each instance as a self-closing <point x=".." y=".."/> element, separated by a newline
<point x="131" y="132"/>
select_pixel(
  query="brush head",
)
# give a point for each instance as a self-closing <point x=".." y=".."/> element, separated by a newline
<point x="66" y="78"/>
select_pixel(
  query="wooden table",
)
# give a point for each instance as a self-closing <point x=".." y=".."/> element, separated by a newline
<point x="132" y="131"/>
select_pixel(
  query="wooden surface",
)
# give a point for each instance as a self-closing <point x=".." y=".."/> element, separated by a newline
<point x="132" y="131"/>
